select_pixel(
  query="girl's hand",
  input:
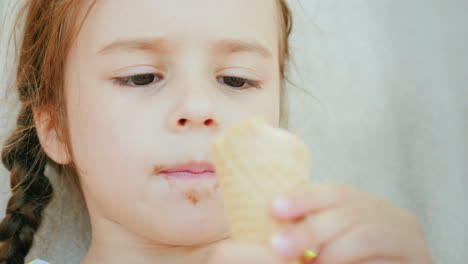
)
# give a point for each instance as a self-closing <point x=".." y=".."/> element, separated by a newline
<point x="341" y="224"/>
<point x="346" y="226"/>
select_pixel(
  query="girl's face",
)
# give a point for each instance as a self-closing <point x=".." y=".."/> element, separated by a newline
<point x="149" y="83"/>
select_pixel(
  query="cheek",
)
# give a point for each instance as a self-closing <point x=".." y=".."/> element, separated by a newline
<point x="115" y="154"/>
<point x="109" y="143"/>
<point x="269" y="106"/>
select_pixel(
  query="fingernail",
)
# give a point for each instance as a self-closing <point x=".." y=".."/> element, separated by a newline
<point x="282" y="244"/>
<point x="281" y="205"/>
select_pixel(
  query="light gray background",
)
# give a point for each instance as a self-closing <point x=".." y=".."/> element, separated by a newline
<point x="388" y="113"/>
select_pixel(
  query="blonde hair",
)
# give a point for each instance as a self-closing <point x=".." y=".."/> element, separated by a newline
<point x="49" y="30"/>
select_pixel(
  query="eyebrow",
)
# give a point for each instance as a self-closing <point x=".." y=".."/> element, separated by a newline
<point x="162" y="46"/>
<point x="156" y="45"/>
<point x="236" y="46"/>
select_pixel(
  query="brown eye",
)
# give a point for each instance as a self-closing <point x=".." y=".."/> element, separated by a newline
<point x="235" y="82"/>
<point x="238" y="83"/>
<point x="142" y="80"/>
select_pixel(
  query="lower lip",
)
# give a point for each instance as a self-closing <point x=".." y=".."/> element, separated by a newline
<point x="185" y="175"/>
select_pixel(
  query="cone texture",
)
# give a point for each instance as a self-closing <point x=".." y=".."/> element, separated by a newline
<point x="254" y="164"/>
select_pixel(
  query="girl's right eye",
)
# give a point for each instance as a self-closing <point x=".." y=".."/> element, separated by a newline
<point x="140" y="80"/>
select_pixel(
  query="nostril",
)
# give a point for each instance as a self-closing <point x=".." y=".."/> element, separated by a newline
<point x="208" y="122"/>
<point x="182" y="121"/>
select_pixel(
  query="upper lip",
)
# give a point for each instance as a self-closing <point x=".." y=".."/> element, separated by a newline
<point x="193" y="167"/>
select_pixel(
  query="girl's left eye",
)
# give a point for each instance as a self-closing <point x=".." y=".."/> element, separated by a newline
<point x="238" y="83"/>
<point x="140" y="80"/>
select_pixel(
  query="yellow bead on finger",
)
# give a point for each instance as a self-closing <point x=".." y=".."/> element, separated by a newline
<point x="309" y="255"/>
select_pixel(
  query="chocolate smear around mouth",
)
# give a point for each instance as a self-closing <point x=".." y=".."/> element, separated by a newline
<point x="194" y="196"/>
<point x="157" y="169"/>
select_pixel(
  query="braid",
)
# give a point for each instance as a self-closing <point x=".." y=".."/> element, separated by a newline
<point x="31" y="190"/>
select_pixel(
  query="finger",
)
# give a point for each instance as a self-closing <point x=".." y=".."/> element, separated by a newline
<point x="313" y="233"/>
<point x="238" y="253"/>
<point x="313" y="199"/>
<point x="366" y="243"/>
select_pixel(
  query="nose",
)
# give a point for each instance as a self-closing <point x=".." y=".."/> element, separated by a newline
<point x="193" y="113"/>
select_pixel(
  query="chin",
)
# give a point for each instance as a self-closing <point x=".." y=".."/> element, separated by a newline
<point x="197" y="237"/>
<point x="191" y="230"/>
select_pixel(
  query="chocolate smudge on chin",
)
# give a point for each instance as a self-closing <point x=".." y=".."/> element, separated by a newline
<point x="195" y="196"/>
<point x="192" y="196"/>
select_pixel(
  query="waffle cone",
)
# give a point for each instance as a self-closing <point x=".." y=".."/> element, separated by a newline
<point x="254" y="164"/>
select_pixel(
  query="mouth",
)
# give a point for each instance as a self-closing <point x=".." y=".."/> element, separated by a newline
<point x="189" y="170"/>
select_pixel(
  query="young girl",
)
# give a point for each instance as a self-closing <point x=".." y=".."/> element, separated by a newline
<point x="123" y="98"/>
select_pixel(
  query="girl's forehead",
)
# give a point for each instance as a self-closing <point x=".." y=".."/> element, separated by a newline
<point x="184" y="21"/>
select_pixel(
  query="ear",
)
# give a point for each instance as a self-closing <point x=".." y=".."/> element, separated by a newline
<point x="48" y="137"/>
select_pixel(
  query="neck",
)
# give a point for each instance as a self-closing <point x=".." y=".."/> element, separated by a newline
<point x="111" y="243"/>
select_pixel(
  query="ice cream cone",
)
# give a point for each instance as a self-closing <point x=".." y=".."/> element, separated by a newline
<point x="254" y="164"/>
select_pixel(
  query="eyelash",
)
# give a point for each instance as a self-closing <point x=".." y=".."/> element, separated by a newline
<point x="124" y="81"/>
